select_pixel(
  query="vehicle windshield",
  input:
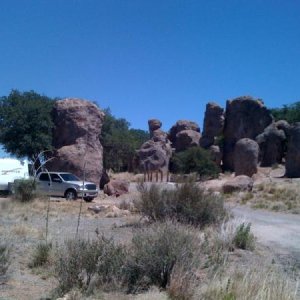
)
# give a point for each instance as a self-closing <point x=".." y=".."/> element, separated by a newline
<point x="69" y="177"/>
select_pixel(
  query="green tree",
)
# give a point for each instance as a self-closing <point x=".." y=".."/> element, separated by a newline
<point x="26" y="123"/>
<point x="290" y="113"/>
<point x="119" y="142"/>
<point x="196" y="160"/>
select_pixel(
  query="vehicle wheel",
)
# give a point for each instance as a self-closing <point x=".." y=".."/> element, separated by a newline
<point x="88" y="199"/>
<point x="71" y="195"/>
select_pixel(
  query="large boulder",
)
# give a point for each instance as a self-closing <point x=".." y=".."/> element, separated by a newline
<point x="154" y="124"/>
<point x="213" y="124"/>
<point x="292" y="164"/>
<point x="76" y="141"/>
<point x="238" y="183"/>
<point x="272" y="143"/>
<point x="116" y="188"/>
<point x="186" y="139"/>
<point x="184" y="134"/>
<point x="246" y="157"/>
<point x="215" y="154"/>
<point x="245" y="117"/>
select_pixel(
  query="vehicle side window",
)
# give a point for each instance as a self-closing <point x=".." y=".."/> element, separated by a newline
<point x="44" y="177"/>
<point x="55" y="178"/>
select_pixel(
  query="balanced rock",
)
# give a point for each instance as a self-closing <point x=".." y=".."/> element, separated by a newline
<point x="245" y="117"/>
<point x="292" y="164"/>
<point x="154" y="124"/>
<point x="246" y="157"/>
<point x="272" y="144"/>
<point x="76" y="141"/>
<point x="213" y="124"/>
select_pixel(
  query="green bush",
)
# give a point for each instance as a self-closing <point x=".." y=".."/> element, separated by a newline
<point x="186" y="203"/>
<point x="243" y="238"/>
<point x="4" y="259"/>
<point x="40" y="255"/>
<point x="79" y="261"/>
<point x="25" y="190"/>
<point x="155" y="251"/>
<point x="194" y="160"/>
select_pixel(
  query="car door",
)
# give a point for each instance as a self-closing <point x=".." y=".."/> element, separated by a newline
<point x="57" y="188"/>
<point x="43" y="184"/>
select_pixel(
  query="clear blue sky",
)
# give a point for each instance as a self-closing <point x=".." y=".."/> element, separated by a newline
<point x="152" y="58"/>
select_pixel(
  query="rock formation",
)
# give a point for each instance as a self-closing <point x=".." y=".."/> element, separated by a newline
<point x="292" y="164"/>
<point x="213" y="124"/>
<point x="245" y="117"/>
<point x="215" y="154"/>
<point x="238" y="183"/>
<point x="76" y="138"/>
<point x="272" y="143"/>
<point x="184" y="134"/>
<point x="245" y="157"/>
<point x="154" y="155"/>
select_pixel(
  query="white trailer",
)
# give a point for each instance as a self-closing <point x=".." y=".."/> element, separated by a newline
<point x="10" y="170"/>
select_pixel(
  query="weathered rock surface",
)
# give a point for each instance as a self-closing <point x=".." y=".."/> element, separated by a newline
<point x="239" y="183"/>
<point x="184" y="134"/>
<point x="186" y="139"/>
<point x="213" y="124"/>
<point x="116" y="188"/>
<point x="104" y="179"/>
<point x="78" y="126"/>
<point x="246" y="157"/>
<point x="245" y="117"/>
<point x="216" y="154"/>
<point x="292" y="164"/>
<point x="272" y="143"/>
<point x="154" y="124"/>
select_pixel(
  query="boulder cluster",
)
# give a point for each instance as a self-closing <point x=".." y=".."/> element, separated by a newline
<point x="239" y="138"/>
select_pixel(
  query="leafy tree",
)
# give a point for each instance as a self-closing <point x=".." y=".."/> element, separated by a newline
<point x="119" y="142"/>
<point x="195" y="159"/>
<point x="290" y="113"/>
<point x="26" y="123"/>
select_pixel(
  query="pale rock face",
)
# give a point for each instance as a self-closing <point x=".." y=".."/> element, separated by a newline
<point x="76" y="141"/>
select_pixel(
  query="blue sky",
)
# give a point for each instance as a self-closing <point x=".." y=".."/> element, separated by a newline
<point x="144" y="59"/>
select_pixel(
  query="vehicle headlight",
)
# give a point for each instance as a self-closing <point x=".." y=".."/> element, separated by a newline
<point x="81" y="187"/>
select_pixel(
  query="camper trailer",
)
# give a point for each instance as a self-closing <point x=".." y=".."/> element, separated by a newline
<point x="10" y="170"/>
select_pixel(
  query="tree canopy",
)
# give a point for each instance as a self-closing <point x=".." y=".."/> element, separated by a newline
<point x="290" y="113"/>
<point x="119" y="142"/>
<point x="26" y="123"/>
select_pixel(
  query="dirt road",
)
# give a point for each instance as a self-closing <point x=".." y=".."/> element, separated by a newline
<point x="278" y="231"/>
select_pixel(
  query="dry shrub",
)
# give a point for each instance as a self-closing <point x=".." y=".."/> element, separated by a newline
<point x="186" y="203"/>
<point x="81" y="261"/>
<point x="154" y="253"/>
<point x="4" y="258"/>
<point x="40" y="255"/>
<point x="25" y="190"/>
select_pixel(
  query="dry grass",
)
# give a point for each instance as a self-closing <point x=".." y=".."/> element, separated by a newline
<point x="250" y="283"/>
<point x="25" y="230"/>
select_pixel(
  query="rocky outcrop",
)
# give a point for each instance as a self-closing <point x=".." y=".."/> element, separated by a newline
<point x="245" y="117"/>
<point x="215" y="154"/>
<point x="213" y="124"/>
<point x="246" y="157"/>
<point x="239" y="183"/>
<point x="184" y="134"/>
<point x="292" y="164"/>
<point x="156" y="134"/>
<point x="76" y="142"/>
<point x="272" y="143"/>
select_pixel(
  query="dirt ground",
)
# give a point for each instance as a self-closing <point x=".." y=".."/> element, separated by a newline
<point x="24" y="224"/>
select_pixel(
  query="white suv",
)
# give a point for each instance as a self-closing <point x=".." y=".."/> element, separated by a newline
<point x="66" y="185"/>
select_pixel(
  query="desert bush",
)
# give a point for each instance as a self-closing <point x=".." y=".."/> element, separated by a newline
<point x="154" y="253"/>
<point x="4" y="258"/>
<point x="40" y="255"/>
<point x="243" y="238"/>
<point x="25" y="190"/>
<point x="79" y="261"/>
<point x="196" y="160"/>
<point x="187" y="203"/>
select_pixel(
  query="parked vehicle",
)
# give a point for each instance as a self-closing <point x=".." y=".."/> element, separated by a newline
<point x="12" y="169"/>
<point x="67" y="185"/>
